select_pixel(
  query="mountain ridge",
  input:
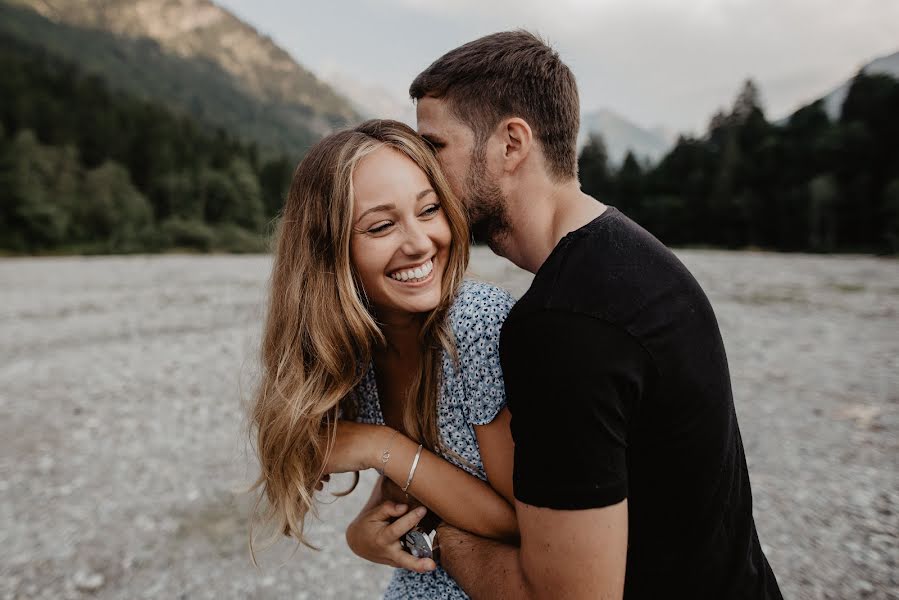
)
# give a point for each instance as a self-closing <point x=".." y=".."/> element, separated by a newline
<point x="254" y="87"/>
<point x="621" y="136"/>
<point x="882" y="65"/>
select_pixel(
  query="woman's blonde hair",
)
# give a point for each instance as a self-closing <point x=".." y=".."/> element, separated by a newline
<point x="320" y="331"/>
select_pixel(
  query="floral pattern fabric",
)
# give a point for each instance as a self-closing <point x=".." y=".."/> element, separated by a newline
<point x="472" y="394"/>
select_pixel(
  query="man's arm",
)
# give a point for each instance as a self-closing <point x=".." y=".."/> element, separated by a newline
<point x="572" y="382"/>
<point x="564" y="554"/>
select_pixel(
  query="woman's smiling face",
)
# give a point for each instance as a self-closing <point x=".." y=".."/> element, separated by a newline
<point x="401" y="237"/>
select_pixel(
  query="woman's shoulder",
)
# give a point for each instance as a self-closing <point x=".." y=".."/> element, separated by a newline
<point x="479" y="308"/>
<point x="478" y="316"/>
<point x="478" y="298"/>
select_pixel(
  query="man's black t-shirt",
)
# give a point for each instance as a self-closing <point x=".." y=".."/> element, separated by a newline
<point x="618" y="386"/>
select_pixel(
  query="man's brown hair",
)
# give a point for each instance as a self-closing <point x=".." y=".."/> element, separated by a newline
<point x="510" y="74"/>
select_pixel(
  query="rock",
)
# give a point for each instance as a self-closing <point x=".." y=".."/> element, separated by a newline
<point x="87" y="581"/>
<point x="45" y="464"/>
<point x="864" y="587"/>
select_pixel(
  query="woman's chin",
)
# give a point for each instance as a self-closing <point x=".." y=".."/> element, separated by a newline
<point x="419" y="305"/>
<point x="411" y="301"/>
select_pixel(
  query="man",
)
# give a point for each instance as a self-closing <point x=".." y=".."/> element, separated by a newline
<point x="629" y="473"/>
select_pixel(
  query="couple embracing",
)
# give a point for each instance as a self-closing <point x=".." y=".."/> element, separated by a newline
<point x="580" y="442"/>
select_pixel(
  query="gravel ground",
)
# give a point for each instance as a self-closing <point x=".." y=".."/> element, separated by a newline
<point x="123" y="453"/>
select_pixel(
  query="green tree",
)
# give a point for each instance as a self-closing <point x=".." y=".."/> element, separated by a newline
<point x="823" y="194"/>
<point x="274" y="179"/>
<point x="869" y="123"/>
<point x="629" y="187"/>
<point x="747" y="102"/>
<point x="593" y="168"/>
<point x="176" y="194"/>
<point x="891" y="216"/>
<point x="113" y="210"/>
<point x="249" y="211"/>
<point x="34" y="217"/>
<point x="218" y="195"/>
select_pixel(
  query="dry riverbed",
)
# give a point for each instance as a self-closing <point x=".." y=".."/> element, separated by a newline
<point x="124" y="455"/>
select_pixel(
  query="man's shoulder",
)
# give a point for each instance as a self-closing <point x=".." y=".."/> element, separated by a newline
<point x="611" y="269"/>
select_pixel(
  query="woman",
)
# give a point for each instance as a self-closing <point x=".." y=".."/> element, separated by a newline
<point x="370" y="321"/>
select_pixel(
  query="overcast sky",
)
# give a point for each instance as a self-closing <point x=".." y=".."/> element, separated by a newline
<point x="656" y="62"/>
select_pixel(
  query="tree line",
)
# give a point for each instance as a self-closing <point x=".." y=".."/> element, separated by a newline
<point x="807" y="184"/>
<point x="86" y="169"/>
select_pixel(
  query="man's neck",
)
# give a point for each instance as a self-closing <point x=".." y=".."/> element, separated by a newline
<point x="540" y="221"/>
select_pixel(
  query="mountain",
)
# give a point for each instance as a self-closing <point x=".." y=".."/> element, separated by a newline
<point x="885" y="65"/>
<point x="192" y="55"/>
<point x="621" y="135"/>
<point x="371" y="100"/>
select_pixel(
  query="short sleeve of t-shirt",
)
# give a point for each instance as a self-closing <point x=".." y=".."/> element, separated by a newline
<point x="573" y="382"/>
<point x="478" y="318"/>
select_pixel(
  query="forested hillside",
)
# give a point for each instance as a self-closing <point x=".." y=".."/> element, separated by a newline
<point x="809" y="184"/>
<point x="87" y="169"/>
<point x="190" y="56"/>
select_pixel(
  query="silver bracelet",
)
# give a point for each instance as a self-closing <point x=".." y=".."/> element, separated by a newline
<point x="412" y="470"/>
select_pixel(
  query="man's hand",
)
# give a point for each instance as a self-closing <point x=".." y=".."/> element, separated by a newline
<point x="374" y="537"/>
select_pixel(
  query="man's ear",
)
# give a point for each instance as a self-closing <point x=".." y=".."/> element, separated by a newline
<point x="518" y="140"/>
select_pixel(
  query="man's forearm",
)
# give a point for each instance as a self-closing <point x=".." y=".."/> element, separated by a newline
<point x="483" y="568"/>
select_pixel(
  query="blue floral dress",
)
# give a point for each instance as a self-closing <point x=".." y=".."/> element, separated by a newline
<point x="471" y="395"/>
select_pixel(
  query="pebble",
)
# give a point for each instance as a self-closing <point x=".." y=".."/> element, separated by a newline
<point x="87" y="581"/>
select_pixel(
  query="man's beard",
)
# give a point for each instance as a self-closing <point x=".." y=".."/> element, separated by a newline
<point x="486" y="204"/>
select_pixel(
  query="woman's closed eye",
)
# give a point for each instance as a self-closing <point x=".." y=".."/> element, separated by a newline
<point x="384" y="226"/>
<point x="380" y="227"/>
<point x="430" y="210"/>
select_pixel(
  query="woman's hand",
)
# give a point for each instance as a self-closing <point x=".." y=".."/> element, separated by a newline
<point x="358" y="446"/>
<point x="374" y="537"/>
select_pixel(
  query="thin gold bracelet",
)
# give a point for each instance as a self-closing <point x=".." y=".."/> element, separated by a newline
<point x="412" y="470"/>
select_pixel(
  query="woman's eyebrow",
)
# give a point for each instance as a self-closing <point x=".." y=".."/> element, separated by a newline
<point x="377" y="208"/>
<point x="385" y="207"/>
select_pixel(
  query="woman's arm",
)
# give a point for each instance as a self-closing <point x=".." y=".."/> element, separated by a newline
<point x="461" y="499"/>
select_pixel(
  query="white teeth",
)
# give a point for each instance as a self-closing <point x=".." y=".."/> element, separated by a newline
<point x="416" y="273"/>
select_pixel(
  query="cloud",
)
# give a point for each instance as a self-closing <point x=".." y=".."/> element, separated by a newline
<point x="672" y="62"/>
<point x="676" y="62"/>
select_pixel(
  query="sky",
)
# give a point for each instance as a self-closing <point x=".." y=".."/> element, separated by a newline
<point x="668" y="63"/>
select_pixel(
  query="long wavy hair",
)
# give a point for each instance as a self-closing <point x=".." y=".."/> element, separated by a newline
<point x="320" y="330"/>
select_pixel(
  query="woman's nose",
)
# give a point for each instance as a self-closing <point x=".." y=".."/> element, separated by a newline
<point x="417" y="240"/>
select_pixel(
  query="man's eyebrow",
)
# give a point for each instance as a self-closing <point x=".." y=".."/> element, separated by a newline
<point x="377" y="208"/>
<point x="432" y="139"/>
